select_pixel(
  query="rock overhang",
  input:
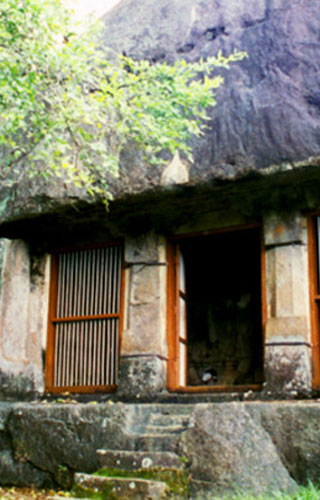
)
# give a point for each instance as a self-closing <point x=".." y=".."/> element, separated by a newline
<point x="46" y="222"/>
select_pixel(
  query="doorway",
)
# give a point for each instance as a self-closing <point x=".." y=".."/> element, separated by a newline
<point x="215" y="310"/>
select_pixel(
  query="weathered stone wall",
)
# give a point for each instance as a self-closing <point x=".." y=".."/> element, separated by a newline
<point x="287" y="334"/>
<point x="143" y="354"/>
<point x="23" y="319"/>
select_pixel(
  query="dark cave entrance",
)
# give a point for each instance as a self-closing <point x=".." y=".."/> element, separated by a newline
<point x="220" y="309"/>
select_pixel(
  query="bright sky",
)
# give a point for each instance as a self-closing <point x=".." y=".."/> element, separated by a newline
<point x="95" y="7"/>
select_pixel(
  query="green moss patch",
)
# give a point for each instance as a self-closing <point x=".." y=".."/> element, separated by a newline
<point x="177" y="481"/>
<point x="105" y="494"/>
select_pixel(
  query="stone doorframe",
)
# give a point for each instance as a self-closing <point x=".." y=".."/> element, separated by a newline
<point x="175" y="340"/>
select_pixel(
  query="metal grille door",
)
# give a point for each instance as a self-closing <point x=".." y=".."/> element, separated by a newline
<point x="86" y="319"/>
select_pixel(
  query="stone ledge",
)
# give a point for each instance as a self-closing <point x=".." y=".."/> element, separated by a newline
<point x="123" y="488"/>
<point x="285" y="327"/>
<point x="134" y="460"/>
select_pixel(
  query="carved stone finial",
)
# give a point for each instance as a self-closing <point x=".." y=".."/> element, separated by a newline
<point x="176" y="172"/>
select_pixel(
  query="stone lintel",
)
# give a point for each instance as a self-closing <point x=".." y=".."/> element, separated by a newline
<point x="285" y="229"/>
<point x="145" y="249"/>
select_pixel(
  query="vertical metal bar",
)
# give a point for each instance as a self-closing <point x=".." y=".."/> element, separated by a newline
<point x="85" y="354"/>
<point x="113" y="274"/>
<point x="118" y="279"/>
<point x="116" y="354"/>
<point x="72" y="354"/>
<point x="62" y="341"/>
<point x="63" y="353"/>
<point x="102" y="271"/>
<point x="64" y="284"/>
<point x="92" y="283"/>
<point x="98" y="347"/>
<point x="97" y="370"/>
<point x="79" y="353"/>
<point x="68" y="355"/>
<point x="56" y="357"/>
<point x="112" y="352"/>
<point x="108" y="351"/>
<point x="88" y="287"/>
<point x="75" y="353"/>
<point x="76" y="301"/>
<point x="89" y="353"/>
<point x="83" y="283"/>
<point x="67" y="284"/>
<point x="115" y="279"/>
<point x="70" y="283"/>
<point x="105" y="287"/>
<point x="103" y="352"/>
<point x="97" y="282"/>
<point x="113" y="250"/>
<point x="60" y="286"/>
<point x="110" y="278"/>
<point x="107" y="290"/>
<point x="100" y="324"/>
<point x="94" y="352"/>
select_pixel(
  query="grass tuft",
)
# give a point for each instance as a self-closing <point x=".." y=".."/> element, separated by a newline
<point x="310" y="492"/>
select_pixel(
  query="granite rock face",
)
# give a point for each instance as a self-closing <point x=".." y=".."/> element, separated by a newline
<point x="229" y="449"/>
<point x="268" y="110"/>
<point x="255" y="446"/>
<point x="62" y="439"/>
<point x="294" y="430"/>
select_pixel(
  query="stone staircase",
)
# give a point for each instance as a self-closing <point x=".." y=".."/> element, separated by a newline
<point x="155" y="432"/>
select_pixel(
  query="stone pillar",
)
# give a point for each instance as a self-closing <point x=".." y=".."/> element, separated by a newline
<point x="23" y="323"/>
<point x="143" y="356"/>
<point x="287" y="334"/>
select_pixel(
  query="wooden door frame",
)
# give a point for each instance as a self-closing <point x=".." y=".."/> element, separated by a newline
<point x="52" y="308"/>
<point x="173" y="310"/>
<point x="314" y="273"/>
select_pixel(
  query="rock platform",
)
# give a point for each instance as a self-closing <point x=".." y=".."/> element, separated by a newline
<point x="256" y="446"/>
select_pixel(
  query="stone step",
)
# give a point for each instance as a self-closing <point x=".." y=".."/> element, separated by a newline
<point x="168" y="429"/>
<point x="122" y="488"/>
<point x="134" y="460"/>
<point x="171" y="409"/>
<point x="157" y="442"/>
<point x="164" y="420"/>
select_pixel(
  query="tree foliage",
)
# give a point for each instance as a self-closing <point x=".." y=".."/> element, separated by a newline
<point x="67" y="108"/>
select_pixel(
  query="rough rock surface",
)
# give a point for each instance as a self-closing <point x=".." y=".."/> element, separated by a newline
<point x="294" y="429"/>
<point x="248" y="445"/>
<point x="268" y="109"/>
<point x="228" y="449"/>
<point x="61" y="439"/>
